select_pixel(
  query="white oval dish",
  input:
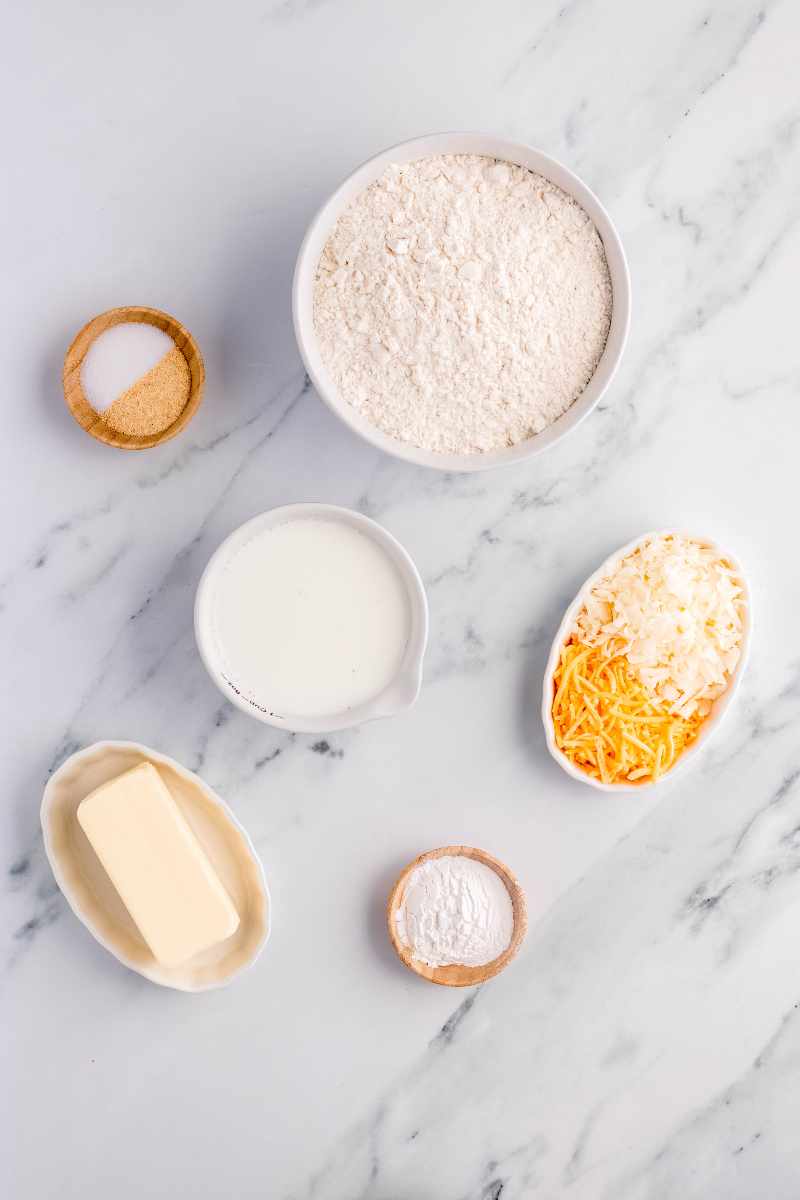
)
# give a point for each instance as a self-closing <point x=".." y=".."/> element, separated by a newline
<point x="92" y="896"/>
<point x="718" y="708"/>
<point x="493" y="147"/>
<point x="399" y="694"/>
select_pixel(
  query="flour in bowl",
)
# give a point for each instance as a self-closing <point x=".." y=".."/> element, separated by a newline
<point x="462" y="303"/>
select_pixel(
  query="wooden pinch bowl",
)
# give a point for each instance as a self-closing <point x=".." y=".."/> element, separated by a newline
<point x="458" y="975"/>
<point x="93" y="422"/>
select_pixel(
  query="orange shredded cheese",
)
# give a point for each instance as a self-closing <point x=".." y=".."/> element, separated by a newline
<point x="608" y="724"/>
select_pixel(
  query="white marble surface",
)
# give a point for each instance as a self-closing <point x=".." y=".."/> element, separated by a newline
<point x="647" y="1042"/>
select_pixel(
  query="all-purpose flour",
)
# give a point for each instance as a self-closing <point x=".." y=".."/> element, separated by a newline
<point x="461" y="303"/>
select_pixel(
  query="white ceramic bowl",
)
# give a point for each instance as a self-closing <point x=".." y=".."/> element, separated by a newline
<point x="398" y="695"/>
<point x="459" y="143"/>
<point x="92" y="896"/>
<point x="719" y="707"/>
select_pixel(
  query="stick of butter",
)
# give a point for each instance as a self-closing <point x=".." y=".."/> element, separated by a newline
<point x="157" y="865"/>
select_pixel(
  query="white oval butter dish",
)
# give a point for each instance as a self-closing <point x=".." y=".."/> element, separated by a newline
<point x="719" y="707"/>
<point x="92" y="896"/>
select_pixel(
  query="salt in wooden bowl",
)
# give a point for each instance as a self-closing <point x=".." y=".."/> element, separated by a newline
<point x="93" y="422"/>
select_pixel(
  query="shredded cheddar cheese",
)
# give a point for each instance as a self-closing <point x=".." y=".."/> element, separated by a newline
<point x="608" y="724"/>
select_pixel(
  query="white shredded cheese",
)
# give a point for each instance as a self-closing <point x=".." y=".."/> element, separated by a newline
<point x="675" y="609"/>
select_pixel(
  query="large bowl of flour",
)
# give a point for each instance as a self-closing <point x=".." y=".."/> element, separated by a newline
<point x="462" y="301"/>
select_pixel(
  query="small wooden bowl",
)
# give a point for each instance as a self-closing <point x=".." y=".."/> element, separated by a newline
<point x="456" y="975"/>
<point x="93" y="422"/>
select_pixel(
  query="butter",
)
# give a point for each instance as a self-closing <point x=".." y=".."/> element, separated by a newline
<point x="157" y="865"/>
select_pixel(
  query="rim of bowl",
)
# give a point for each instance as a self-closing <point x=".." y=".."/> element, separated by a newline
<point x="493" y="146"/>
<point x="399" y="694"/>
<point x="147" y="753"/>
<point x="719" y="707"/>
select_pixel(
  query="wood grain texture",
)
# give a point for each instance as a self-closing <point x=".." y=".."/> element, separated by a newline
<point x="93" y="422"/>
<point x="456" y="975"/>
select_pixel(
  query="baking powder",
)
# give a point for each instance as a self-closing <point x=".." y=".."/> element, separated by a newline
<point x="461" y="303"/>
<point x="455" y="910"/>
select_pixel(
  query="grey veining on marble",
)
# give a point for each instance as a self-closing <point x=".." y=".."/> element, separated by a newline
<point x="646" y="1043"/>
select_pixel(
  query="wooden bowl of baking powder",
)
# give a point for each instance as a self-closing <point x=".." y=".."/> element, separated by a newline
<point x="456" y="974"/>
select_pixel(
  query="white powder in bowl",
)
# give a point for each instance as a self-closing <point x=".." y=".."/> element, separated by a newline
<point x="462" y="303"/>
<point x="455" y="910"/>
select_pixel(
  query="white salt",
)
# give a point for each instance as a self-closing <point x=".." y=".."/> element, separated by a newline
<point x="118" y="358"/>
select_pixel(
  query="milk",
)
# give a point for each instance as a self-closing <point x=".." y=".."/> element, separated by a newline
<point x="310" y="618"/>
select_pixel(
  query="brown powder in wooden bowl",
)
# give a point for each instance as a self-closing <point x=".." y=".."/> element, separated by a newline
<point x="154" y="401"/>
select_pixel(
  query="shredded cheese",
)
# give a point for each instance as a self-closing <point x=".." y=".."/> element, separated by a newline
<point x="608" y="724"/>
<point x="675" y="609"/>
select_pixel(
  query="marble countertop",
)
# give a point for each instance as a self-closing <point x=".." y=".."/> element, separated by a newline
<point x="646" y="1043"/>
